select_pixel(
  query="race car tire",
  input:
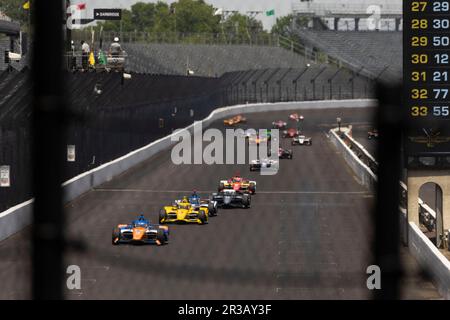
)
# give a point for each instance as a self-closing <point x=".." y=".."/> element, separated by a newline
<point x="212" y="209"/>
<point x="221" y="187"/>
<point x="290" y="156"/>
<point x="246" y="200"/>
<point x="202" y="217"/>
<point x="162" y="215"/>
<point x="115" y="235"/>
<point x="161" y="237"/>
<point x="252" y="188"/>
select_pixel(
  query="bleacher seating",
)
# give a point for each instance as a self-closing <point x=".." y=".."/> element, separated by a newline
<point x="378" y="54"/>
<point x="207" y="60"/>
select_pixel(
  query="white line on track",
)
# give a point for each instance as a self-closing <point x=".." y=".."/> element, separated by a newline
<point x="259" y="192"/>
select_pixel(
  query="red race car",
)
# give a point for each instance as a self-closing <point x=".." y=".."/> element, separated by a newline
<point x="238" y="184"/>
<point x="296" y="117"/>
<point x="279" y="124"/>
<point x="291" y="133"/>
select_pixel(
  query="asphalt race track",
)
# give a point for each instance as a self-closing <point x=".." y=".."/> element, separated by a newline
<point x="306" y="236"/>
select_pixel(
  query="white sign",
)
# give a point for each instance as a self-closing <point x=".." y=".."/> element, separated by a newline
<point x="4" y="176"/>
<point x="71" y="153"/>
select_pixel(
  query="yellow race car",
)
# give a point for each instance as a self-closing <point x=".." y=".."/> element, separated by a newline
<point x="183" y="211"/>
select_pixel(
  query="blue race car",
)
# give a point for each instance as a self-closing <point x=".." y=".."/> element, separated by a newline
<point x="197" y="202"/>
<point x="140" y="231"/>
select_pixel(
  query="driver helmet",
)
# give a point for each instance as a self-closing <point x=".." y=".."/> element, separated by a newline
<point x="141" y="221"/>
<point x="194" y="198"/>
<point x="116" y="39"/>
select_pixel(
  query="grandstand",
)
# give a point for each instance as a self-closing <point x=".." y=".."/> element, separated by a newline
<point x="207" y="60"/>
<point x="342" y="32"/>
<point x="375" y="54"/>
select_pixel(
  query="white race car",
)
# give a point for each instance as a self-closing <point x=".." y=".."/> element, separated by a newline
<point x="257" y="165"/>
<point x="302" y="141"/>
<point x="248" y="133"/>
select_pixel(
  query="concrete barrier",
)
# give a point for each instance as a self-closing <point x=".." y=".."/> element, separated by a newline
<point x="361" y="148"/>
<point x="430" y="258"/>
<point x="365" y="176"/>
<point x="18" y="217"/>
<point x="15" y="219"/>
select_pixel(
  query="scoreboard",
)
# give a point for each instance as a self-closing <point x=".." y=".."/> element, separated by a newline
<point x="426" y="82"/>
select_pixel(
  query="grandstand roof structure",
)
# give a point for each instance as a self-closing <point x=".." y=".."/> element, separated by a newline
<point x="349" y="8"/>
<point x="9" y="28"/>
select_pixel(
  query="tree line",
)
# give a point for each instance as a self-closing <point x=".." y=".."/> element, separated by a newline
<point x="183" y="16"/>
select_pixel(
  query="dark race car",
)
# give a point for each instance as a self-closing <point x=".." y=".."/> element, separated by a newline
<point x="373" y="134"/>
<point x="285" y="153"/>
<point x="231" y="198"/>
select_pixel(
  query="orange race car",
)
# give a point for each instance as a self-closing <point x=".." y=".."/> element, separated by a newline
<point x="140" y="231"/>
<point x="235" y="120"/>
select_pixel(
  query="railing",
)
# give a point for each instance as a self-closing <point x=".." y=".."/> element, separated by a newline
<point x="296" y="47"/>
<point x="260" y="39"/>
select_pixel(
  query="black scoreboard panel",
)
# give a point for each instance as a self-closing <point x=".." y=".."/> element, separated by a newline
<point x="426" y="77"/>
